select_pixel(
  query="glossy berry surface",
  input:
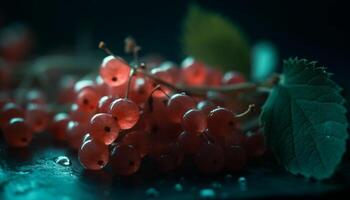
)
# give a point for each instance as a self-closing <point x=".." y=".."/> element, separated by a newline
<point x="59" y="126"/>
<point x="193" y="72"/>
<point x="125" y="160"/>
<point x="114" y="71"/>
<point x="189" y="143"/>
<point x="37" y="117"/>
<point x="17" y="133"/>
<point x="87" y="99"/>
<point x="221" y="121"/>
<point x="93" y="155"/>
<point x="125" y="112"/>
<point x="138" y="139"/>
<point x="233" y="77"/>
<point x="178" y="105"/>
<point x="104" y="128"/>
<point x="194" y="121"/>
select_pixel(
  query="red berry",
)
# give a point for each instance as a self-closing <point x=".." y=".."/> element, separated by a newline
<point x="140" y="140"/>
<point x="193" y="72"/>
<point x="87" y="99"/>
<point x="37" y="117"/>
<point x="103" y="128"/>
<point x="125" y="160"/>
<point x="126" y="113"/>
<point x="114" y="71"/>
<point x="233" y="77"/>
<point x="235" y="158"/>
<point x="17" y="133"/>
<point x="206" y="106"/>
<point x="59" y="126"/>
<point x="8" y="111"/>
<point x="178" y="104"/>
<point x="214" y="77"/>
<point x="80" y="115"/>
<point x="189" y="143"/>
<point x="210" y="158"/>
<point x="170" y="158"/>
<point x="221" y="121"/>
<point x="255" y="144"/>
<point x="194" y="121"/>
<point x="93" y="155"/>
<point x="104" y="104"/>
<point x="75" y="133"/>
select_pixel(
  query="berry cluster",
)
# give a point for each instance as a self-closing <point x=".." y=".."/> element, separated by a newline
<point x="133" y="111"/>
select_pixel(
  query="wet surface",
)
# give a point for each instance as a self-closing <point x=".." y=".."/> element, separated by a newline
<point x="47" y="170"/>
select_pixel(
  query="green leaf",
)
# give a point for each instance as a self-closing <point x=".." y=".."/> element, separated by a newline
<point x="209" y="37"/>
<point x="304" y="120"/>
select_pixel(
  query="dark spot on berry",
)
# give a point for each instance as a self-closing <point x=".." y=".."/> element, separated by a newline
<point x="115" y="118"/>
<point x="107" y="129"/>
<point x="131" y="163"/>
<point x="85" y="101"/>
<point x="231" y="123"/>
<point x="154" y="84"/>
<point x="114" y="78"/>
<point x="165" y="101"/>
<point x="100" y="162"/>
<point x="24" y="139"/>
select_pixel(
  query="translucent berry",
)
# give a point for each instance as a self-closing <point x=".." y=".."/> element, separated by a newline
<point x="126" y="112"/>
<point x="210" y="158"/>
<point x="140" y="140"/>
<point x="103" y="128"/>
<point x="93" y="155"/>
<point x="193" y="72"/>
<point x="87" y="99"/>
<point x="37" y="117"/>
<point x="114" y="71"/>
<point x="17" y="133"/>
<point x="221" y="121"/>
<point x="206" y="106"/>
<point x="194" y="121"/>
<point x="170" y="158"/>
<point x="104" y="104"/>
<point x="125" y="160"/>
<point x="178" y="105"/>
<point x="235" y="158"/>
<point x="10" y="110"/>
<point x="59" y="126"/>
<point x="80" y="115"/>
<point x="255" y="144"/>
<point x="189" y="143"/>
<point x="233" y="77"/>
<point x="214" y="77"/>
<point x="75" y="133"/>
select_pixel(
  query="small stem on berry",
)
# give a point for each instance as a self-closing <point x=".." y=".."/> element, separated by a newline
<point x="102" y="45"/>
<point x="132" y="73"/>
<point x="250" y="108"/>
<point x="160" y="89"/>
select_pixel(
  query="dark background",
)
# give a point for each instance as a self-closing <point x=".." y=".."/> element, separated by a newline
<point x="317" y="30"/>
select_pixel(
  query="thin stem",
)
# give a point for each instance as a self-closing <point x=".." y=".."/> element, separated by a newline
<point x="161" y="90"/>
<point x="102" y="45"/>
<point x="131" y="75"/>
<point x="250" y="108"/>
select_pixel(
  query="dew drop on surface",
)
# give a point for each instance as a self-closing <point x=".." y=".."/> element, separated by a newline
<point x="178" y="187"/>
<point x="228" y="177"/>
<point x="207" y="193"/>
<point x="63" y="160"/>
<point x="152" y="192"/>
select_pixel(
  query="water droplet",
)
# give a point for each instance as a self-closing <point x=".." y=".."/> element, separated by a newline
<point x="207" y="193"/>
<point x="242" y="182"/>
<point x="178" y="187"/>
<point x="63" y="160"/>
<point x="328" y="136"/>
<point x="152" y="192"/>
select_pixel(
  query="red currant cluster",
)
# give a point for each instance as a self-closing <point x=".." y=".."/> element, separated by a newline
<point x="130" y="112"/>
